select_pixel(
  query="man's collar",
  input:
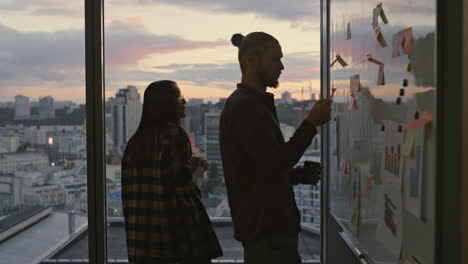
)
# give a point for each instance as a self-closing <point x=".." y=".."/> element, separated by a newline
<point x="248" y="89"/>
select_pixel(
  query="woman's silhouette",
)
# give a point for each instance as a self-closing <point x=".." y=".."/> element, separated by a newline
<point x="165" y="220"/>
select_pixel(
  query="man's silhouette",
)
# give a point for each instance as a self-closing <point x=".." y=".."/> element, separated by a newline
<point x="258" y="163"/>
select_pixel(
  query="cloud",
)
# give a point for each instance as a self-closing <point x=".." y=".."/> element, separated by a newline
<point x="292" y="10"/>
<point x="185" y="66"/>
<point x="299" y="67"/>
<point x="198" y="74"/>
<point x="58" y="58"/>
<point x="58" y="12"/>
<point x="127" y="44"/>
<point x="29" y="58"/>
<point x="21" y="5"/>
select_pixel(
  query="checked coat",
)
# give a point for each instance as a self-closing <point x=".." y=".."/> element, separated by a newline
<point x="165" y="220"/>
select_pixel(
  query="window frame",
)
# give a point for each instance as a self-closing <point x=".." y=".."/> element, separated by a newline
<point x="95" y="140"/>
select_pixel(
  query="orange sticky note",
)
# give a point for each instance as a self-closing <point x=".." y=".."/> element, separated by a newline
<point x="380" y="38"/>
<point x="422" y="121"/>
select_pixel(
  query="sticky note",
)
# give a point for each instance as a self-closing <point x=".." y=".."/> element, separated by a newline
<point x="355" y="84"/>
<point x="420" y="122"/>
<point x="381" y="76"/>
<point x="409" y="143"/>
<point x="378" y="12"/>
<point x="340" y="60"/>
<point x="348" y="31"/>
<point x="380" y="38"/>
<point x="406" y="37"/>
<point x="403" y="40"/>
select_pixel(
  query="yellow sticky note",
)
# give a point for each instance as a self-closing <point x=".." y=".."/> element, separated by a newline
<point x="410" y="141"/>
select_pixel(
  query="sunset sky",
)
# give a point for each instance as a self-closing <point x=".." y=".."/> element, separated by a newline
<point x="42" y="45"/>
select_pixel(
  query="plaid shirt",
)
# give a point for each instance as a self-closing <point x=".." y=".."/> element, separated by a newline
<point x="165" y="220"/>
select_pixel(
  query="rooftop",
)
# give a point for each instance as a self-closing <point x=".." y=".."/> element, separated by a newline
<point x="19" y="217"/>
<point x="36" y="242"/>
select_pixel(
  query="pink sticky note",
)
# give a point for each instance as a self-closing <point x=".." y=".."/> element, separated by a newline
<point x="340" y="60"/>
<point x="422" y="121"/>
<point x="353" y="105"/>
<point x="381" y="77"/>
<point x="406" y="37"/>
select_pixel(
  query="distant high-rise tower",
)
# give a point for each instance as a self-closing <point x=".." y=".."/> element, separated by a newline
<point x="22" y="107"/>
<point x="212" y="148"/>
<point x="126" y="113"/>
<point x="46" y="108"/>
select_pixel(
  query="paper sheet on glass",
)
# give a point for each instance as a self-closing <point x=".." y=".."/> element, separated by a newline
<point x="414" y="172"/>
<point x="392" y="154"/>
<point x="390" y="225"/>
<point x="369" y="188"/>
<point x="354" y="191"/>
<point x="413" y="152"/>
<point x="378" y="12"/>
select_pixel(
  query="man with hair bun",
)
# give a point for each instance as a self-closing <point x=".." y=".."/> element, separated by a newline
<point x="258" y="163"/>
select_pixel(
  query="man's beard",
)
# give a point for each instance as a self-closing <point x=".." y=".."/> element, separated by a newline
<point x="267" y="80"/>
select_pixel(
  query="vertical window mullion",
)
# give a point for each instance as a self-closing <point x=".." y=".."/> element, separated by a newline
<point x="95" y="130"/>
<point x="324" y="144"/>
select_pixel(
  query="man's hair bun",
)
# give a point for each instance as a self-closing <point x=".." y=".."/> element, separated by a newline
<point x="236" y="39"/>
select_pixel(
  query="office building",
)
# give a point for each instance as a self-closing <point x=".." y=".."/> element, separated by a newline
<point x="12" y="162"/>
<point x="22" y="107"/>
<point x="46" y="108"/>
<point x="126" y="113"/>
<point x="212" y="147"/>
<point x="9" y="143"/>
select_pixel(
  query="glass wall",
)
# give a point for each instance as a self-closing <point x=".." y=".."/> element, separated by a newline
<point x="189" y="42"/>
<point x="43" y="181"/>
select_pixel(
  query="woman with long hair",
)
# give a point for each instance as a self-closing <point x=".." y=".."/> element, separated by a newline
<point x="165" y="220"/>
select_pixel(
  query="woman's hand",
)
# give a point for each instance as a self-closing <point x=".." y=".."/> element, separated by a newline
<point x="200" y="170"/>
<point x="204" y="163"/>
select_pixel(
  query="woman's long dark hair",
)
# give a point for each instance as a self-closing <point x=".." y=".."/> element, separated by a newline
<point x="159" y="109"/>
<point x="159" y="105"/>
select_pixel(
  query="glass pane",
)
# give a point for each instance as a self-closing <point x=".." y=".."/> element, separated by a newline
<point x="382" y="158"/>
<point x="43" y="192"/>
<point x="189" y="42"/>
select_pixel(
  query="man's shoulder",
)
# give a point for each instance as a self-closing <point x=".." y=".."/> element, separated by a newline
<point x="242" y="99"/>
